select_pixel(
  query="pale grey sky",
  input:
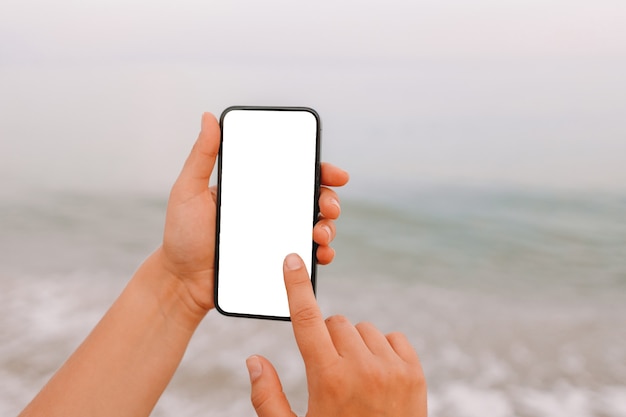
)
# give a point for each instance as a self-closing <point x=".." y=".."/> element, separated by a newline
<point x="521" y="92"/>
<point x="398" y="31"/>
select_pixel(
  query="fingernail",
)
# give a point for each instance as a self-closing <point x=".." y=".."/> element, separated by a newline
<point x="293" y="262"/>
<point x="335" y="202"/>
<point x="327" y="230"/>
<point x="254" y="367"/>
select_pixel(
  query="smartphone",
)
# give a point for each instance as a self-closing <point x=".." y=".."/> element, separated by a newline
<point x="267" y="203"/>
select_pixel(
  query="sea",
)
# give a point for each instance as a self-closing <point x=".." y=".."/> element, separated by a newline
<point x="514" y="298"/>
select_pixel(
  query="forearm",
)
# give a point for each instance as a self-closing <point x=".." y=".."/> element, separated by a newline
<point x="129" y="358"/>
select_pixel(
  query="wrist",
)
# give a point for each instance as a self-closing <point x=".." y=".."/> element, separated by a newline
<point x="174" y="296"/>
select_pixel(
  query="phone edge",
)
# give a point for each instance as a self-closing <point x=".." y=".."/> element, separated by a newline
<point x="316" y="210"/>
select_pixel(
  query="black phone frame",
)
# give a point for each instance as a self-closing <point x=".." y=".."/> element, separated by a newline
<point x="313" y="272"/>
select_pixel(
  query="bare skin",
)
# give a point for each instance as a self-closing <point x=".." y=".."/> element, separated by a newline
<point x="351" y="370"/>
<point x="124" y="365"/>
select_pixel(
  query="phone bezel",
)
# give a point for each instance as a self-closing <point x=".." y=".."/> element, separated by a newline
<point x="313" y="272"/>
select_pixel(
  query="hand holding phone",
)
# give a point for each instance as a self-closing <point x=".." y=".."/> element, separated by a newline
<point x="162" y="305"/>
<point x="188" y="250"/>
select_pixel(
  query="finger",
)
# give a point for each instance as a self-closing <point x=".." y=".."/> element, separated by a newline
<point x="329" y="203"/>
<point x="333" y="176"/>
<point x="402" y="347"/>
<point x="268" y="398"/>
<point x="309" y="328"/>
<point x="376" y="342"/>
<point x="325" y="255"/>
<point x="198" y="167"/>
<point x="345" y="336"/>
<point x="324" y="232"/>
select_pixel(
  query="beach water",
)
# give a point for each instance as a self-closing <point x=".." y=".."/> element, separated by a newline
<point x="514" y="299"/>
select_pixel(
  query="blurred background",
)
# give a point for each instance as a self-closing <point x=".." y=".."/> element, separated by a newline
<point x="485" y="217"/>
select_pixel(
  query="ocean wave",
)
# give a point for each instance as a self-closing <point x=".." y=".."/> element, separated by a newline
<point x="514" y="302"/>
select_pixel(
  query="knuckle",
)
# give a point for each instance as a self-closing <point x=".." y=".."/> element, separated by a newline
<point x="374" y="372"/>
<point x="365" y="325"/>
<point x="333" y="381"/>
<point x="306" y="316"/>
<point x="394" y="376"/>
<point x="258" y="398"/>
<point x="411" y="377"/>
<point x="398" y="336"/>
<point x="264" y="398"/>
<point x="337" y="320"/>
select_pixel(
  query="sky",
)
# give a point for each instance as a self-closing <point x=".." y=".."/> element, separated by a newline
<point x="508" y="93"/>
<point x="392" y="31"/>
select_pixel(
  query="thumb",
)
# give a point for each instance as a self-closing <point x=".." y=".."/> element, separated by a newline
<point x="194" y="177"/>
<point x="267" y="394"/>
